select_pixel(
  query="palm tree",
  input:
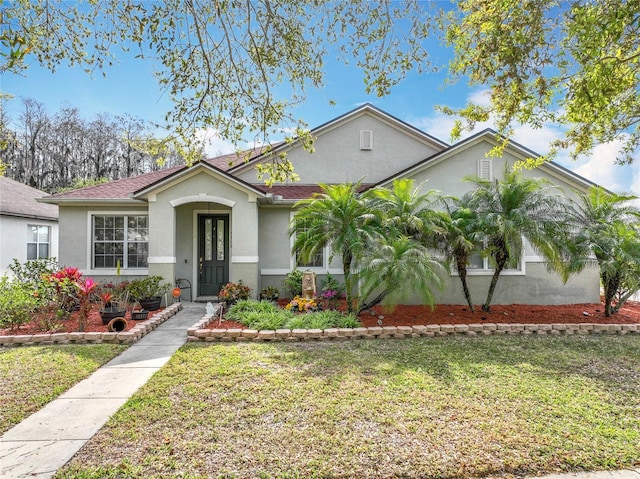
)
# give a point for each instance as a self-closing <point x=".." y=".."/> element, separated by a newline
<point x="459" y="239"/>
<point x="395" y="267"/>
<point x="406" y="210"/>
<point x="398" y="260"/>
<point x="337" y="217"/>
<point x="609" y="228"/>
<point x="514" y="207"/>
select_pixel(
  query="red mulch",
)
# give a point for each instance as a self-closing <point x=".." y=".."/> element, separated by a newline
<point x="93" y="324"/>
<point x="513" y="313"/>
<point x="410" y="315"/>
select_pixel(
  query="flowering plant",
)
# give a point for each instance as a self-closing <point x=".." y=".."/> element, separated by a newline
<point x="302" y="305"/>
<point x="231" y="293"/>
<point x="85" y="287"/>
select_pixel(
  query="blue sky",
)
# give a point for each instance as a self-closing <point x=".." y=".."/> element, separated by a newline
<point x="130" y="87"/>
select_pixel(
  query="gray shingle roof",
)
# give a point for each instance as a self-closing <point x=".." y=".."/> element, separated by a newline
<point x="17" y="199"/>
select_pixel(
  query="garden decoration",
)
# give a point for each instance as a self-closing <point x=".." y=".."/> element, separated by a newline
<point x="309" y="284"/>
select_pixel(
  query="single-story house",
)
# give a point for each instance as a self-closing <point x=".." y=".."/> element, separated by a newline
<point x="216" y="221"/>
<point x="28" y="229"/>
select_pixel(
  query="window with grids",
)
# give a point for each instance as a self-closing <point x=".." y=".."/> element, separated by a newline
<point x="120" y="238"/>
<point x="38" y="241"/>
<point x="317" y="261"/>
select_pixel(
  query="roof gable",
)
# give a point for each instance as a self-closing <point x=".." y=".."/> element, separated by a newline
<point x="340" y="121"/>
<point x="493" y="138"/>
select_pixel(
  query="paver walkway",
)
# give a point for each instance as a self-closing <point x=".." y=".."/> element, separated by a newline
<point x="46" y="440"/>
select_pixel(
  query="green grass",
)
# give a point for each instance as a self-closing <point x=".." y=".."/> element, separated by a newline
<point x="443" y="407"/>
<point x="30" y="377"/>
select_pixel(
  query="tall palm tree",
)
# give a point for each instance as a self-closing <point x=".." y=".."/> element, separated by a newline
<point x="459" y="240"/>
<point x="608" y="227"/>
<point x="514" y="207"/>
<point x="338" y="217"/>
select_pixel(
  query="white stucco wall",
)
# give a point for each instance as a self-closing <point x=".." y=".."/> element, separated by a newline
<point x="14" y="235"/>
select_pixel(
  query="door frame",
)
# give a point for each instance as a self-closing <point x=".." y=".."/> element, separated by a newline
<point x="195" y="246"/>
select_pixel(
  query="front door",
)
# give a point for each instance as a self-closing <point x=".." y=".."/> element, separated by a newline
<point x="213" y="253"/>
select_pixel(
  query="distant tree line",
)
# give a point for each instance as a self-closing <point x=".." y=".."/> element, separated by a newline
<point x="58" y="151"/>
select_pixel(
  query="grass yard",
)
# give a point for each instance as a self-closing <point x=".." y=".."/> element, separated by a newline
<point x="30" y="377"/>
<point x="417" y="408"/>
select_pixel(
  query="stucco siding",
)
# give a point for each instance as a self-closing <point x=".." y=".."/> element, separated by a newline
<point x="341" y="159"/>
<point x="14" y="236"/>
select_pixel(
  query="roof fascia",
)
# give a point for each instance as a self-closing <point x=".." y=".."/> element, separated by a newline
<point x="30" y="217"/>
<point x="92" y="201"/>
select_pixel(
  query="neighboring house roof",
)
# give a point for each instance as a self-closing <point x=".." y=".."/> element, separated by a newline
<point x="491" y="136"/>
<point x="17" y="199"/>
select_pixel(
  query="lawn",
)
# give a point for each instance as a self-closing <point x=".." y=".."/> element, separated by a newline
<point x="30" y="377"/>
<point x="424" y="407"/>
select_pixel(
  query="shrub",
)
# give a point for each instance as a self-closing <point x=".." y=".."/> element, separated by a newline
<point x="33" y="272"/>
<point x="293" y="283"/>
<point x="348" y="321"/>
<point x="244" y="306"/>
<point x="149" y="287"/>
<point x="264" y="320"/>
<point x="329" y="283"/>
<point x="231" y="293"/>
<point x="17" y="303"/>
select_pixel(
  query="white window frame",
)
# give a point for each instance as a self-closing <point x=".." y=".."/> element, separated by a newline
<point x="38" y="242"/>
<point x="294" y="261"/>
<point x="124" y="268"/>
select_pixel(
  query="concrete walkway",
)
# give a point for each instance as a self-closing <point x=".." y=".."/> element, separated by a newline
<point x="46" y="440"/>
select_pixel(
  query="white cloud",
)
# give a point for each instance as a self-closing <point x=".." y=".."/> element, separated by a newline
<point x="213" y="144"/>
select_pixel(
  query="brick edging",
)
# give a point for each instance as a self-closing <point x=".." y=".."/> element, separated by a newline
<point x="199" y="332"/>
<point x="140" y="330"/>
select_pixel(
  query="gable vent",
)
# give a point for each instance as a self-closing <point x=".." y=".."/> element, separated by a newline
<point x="366" y="139"/>
<point x="485" y="169"/>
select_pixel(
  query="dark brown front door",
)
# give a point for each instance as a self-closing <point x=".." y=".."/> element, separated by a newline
<point x="213" y="253"/>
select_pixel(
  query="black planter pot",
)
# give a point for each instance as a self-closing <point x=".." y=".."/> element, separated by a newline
<point x="139" y="315"/>
<point x="108" y="314"/>
<point x="150" y="304"/>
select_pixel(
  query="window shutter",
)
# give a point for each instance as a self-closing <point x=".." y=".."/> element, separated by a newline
<point x="366" y="139"/>
<point x="485" y="170"/>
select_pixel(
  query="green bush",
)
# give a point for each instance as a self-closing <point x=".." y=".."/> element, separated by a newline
<point x="348" y="321"/>
<point x="17" y="303"/>
<point x="244" y="306"/>
<point x="32" y="273"/>
<point x="293" y="283"/>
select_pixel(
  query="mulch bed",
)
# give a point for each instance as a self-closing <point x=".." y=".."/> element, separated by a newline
<point x="404" y="315"/>
<point x="70" y="325"/>
<point x="413" y="315"/>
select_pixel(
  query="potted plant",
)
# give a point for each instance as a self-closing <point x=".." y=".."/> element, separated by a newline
<point x="231" y="293"/>
<point x="148" y="291"/>
<point x="270" y="293"/>
<point x="138" y="313"/>
<point x="114" y="299"/>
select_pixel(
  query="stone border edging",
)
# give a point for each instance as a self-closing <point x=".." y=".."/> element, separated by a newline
<point x="198" y="333"/>
<point x="140" y="329"/>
